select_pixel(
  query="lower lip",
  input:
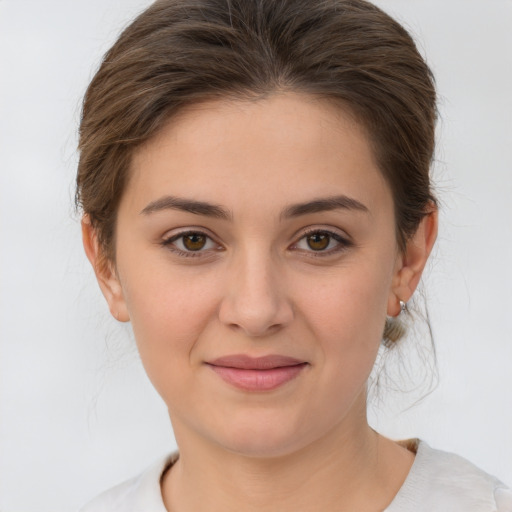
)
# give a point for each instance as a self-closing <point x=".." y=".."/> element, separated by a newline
<point x="258" y="380"/>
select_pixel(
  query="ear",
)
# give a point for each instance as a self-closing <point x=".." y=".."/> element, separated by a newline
<point x="412" y="261"/>
<point x="105" y="272"/>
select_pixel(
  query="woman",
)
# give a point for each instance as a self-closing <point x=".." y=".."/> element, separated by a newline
<point x="254" y="178"/>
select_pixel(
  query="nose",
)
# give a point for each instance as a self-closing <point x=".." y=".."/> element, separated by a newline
<point x="255" y="300"/>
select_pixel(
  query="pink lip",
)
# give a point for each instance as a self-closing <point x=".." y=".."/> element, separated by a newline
<point x="257" y="374"/>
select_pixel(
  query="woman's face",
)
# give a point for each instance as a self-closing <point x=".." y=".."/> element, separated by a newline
<point x="258" y="230"/>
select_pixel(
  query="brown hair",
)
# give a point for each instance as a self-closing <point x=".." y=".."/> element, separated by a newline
<point x="178" y="52"/>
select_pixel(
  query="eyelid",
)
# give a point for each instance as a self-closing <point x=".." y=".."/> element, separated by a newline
<point x="344" y="241"/>
<point x="180" y="231"/>
<point x="168" y="239"/>
<point x="308" y="230"/>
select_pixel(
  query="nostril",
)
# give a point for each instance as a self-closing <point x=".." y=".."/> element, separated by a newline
<point x="255" y="302"/>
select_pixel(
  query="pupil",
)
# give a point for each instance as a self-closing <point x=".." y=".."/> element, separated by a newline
<point x="194" y="242"/>
<point x="318" y="241"/>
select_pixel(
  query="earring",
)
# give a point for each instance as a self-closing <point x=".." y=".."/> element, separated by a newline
<point x="403" y="307"/>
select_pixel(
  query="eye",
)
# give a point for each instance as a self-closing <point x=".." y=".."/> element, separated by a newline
<point x="190" y="243"/>
<point x="322" y="242"/>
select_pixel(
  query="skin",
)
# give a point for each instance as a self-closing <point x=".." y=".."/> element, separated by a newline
<point x="257" y="287"/>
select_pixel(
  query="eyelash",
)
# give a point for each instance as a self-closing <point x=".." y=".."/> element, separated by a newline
<point x="343" y="243"/>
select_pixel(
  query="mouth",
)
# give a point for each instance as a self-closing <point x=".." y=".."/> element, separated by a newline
<point x="257" y="374"/>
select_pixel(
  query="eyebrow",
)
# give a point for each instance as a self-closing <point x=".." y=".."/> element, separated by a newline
<point x="323" y="204"/>
<point x="187" y="205"/>
<point x="212" y="210"/>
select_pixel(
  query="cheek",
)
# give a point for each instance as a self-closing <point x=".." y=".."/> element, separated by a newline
<point x="350" y="305"/>
<point x="346" y="315"/>
<point x="168" y="312"/>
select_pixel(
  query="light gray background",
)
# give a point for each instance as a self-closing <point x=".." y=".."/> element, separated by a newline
<point x="77" y="413"/>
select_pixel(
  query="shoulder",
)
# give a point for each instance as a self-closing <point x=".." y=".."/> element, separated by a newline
<point x="138" y="494"/>
<point x="444" y="481"/>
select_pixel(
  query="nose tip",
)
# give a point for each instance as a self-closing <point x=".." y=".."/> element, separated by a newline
<point x="256" y="303"/>
<point x="254" y="328"/>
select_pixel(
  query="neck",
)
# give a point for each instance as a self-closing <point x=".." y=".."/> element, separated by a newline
<point x="351" y="468"/>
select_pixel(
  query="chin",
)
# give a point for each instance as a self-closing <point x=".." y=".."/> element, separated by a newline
<point x="263" y="438"/>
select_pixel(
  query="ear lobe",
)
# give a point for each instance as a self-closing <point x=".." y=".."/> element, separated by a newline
<point x="412" y="261"/>
<point x="105" y="272"/>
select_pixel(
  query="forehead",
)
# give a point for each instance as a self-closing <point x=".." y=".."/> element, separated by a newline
<point x="281" y="149"/>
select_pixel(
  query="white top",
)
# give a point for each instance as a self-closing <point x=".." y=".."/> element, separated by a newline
<point x="438" y="481"/>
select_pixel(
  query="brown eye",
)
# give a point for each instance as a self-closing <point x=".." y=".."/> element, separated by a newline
<point x="194" y="241"/>
<point x="190" y="243"/>
<point x="318" y="241"/>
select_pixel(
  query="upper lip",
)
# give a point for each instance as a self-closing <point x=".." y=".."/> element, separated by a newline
<point x="245" y="362"/>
